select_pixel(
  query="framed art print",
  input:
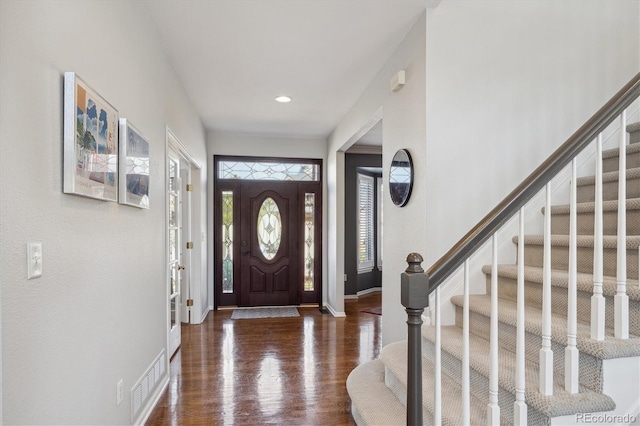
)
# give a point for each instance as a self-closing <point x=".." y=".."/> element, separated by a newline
<point x="90" y="142"/>
<point x="134" y="166"/>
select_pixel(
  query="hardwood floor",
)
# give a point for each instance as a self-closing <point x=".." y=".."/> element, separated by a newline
<point x="284" y="371"/>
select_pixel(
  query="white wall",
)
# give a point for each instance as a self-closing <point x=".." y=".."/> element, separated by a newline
<point x="404" y="127"/>
<point x="99" y="312"/>
<point x="507" y="83"/>
<point x="227" y="143"/>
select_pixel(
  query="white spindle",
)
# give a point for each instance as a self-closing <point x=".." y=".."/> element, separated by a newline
<point x="621" y="299"/>
<point x="466" y="398"/>
<point x="519" y="406"/>
<point x="493" y="409"/>
<point x="597" y="300"/>
<point x="571" y="351"/>
<point x="546" y="354"/>
<point x="437" y="391"/>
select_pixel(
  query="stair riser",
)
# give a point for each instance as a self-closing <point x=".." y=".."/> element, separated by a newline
<point x="590" y="368"/>
<point x="399" y="389"/>
<point x="533" y="297"/>
<point x="533" y="254"/>
<point x="586" y="193"/>
<point x="611" y="164"/>
<point x="479" y="385"/>
<point x="560" y="223"/>
<point x="634" y="137"/>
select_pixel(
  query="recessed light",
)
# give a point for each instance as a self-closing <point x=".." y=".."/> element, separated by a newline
<point x="283" y="99"/>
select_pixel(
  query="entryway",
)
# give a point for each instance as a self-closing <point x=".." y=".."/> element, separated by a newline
<point x="267" y="231"/>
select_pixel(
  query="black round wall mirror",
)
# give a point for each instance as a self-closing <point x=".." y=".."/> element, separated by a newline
<point x="401" y="178"/>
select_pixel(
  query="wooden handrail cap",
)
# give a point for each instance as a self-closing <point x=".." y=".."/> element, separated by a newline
<point x="414" y="260"/>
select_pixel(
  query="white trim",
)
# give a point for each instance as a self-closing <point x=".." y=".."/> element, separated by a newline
<point x="152" y="403"/>
<point x="334" y="312"/>
<point x="370" y="182"/>
<point x="183" y="150"/>
<point x="368" y="291"/>
<point x="204" y="315"/>
<point x="351" y="297"/>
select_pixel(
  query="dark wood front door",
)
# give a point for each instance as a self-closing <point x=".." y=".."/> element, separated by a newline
<point x="269" y="235"/>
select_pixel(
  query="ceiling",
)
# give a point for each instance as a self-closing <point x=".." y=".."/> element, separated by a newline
<point x="234" y="57"/>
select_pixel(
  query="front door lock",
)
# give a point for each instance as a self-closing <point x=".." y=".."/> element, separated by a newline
<point x="243" y="248"/>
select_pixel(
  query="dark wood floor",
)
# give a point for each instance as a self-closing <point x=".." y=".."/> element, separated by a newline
<point x="284" y="371"/>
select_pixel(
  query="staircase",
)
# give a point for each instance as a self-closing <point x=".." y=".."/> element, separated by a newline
<point x="609" y="370"/>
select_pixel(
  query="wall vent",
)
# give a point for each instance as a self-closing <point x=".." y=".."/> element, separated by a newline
<point x="144" y="388"/>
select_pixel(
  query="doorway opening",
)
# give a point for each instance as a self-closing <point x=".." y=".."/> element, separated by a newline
<point x="364" y="190"/>
<point x="267" y="231"/>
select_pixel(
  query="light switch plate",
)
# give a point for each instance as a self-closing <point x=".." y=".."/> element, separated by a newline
<point x="34" y="260"/>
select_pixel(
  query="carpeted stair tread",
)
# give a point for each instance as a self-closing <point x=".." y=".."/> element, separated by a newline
<point x="609" y="348"/>
<point x="394" y="357"/>
<point x="634" y="127"/>
<point x="611" y="157"/>
<point x="561" y="279"/>
<point x="631" y="148"/>
<point x="608" y="241"/>
<point x="559" y="404"/>
<point x="632" y="173"/>
<point x="590" y="206"/>
<point x="372" y="403"/>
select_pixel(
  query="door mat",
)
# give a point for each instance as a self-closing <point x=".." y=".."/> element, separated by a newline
<point x="375" y="311"/>
<point x="276" y="312"/>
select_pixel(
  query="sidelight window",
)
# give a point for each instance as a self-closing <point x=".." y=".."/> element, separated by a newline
<point x="227" y="241"/>
<point x="309" y="242"/>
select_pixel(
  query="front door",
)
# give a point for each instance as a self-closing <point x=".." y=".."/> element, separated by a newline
<point x="269" y="235"/>
<point x="267" y="230"/>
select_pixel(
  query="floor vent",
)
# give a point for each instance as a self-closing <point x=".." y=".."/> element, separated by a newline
<point x="146" y="385"/>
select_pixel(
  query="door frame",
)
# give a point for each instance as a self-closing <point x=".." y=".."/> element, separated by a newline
<point x="197" y="288"/>
<point x="235" y="185"/>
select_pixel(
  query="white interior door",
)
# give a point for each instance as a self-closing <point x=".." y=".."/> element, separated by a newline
<point x="186" y="301"/>
<point x="174" y="249"/>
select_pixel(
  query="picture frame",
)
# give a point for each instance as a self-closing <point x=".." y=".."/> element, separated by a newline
<point x="90" y="142"/>
<point x="134" y="165"/>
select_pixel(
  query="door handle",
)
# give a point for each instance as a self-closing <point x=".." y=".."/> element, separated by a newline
<point x="244" y="250"/>
<point x="181" y="267"/>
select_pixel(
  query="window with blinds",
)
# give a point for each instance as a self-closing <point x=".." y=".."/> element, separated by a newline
<point x="366" y="206"/>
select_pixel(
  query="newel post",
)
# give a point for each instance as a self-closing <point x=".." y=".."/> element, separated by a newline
<point x="414" y="295"/>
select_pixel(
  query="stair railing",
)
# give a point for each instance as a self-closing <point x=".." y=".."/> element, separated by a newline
<point x="487" y="229"/>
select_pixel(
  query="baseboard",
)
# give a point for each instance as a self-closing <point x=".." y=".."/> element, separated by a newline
<point x="368" y="291"/>
<point x="144" y="416"/>
<point x="334" y="312"/>
<point x="350" y="297"/>
<point x="204" y="315"/>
